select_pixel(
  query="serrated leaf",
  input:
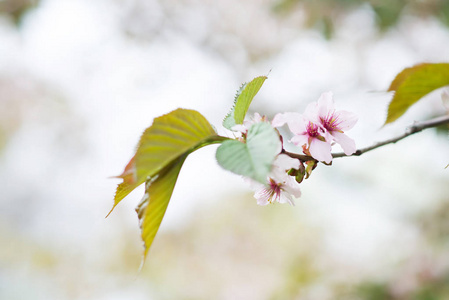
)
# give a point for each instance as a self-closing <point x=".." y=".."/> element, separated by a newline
<point x="414" y="83"/>
<point x="254" y="158"/>
<point x="229" y="120"/>
<point x="242" y="101"/>
<point x="172" y="135"/>
<point x="151" y="209"/>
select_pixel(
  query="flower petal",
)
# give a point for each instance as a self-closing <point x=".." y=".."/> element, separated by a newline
<point x="345" y="142"/>
<point x="285" y="197"/>
<point x="292" y="187"/>
<point x="311" y="113"/>
<point x="321" y="151"/>
<point x="300" y="140"/>
<point x="280" y="119"/>
<point x="285" y="162"/>
<point x="263" y="195"/>
<point x="325" y="104"/>
<point x="294" y="120"/>
<point x="257" y="118"/>
<point x="347" y="119"/>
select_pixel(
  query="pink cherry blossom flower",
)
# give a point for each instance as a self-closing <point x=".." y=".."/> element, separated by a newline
<point x="280" y="186"/>
<point x="307" y="132"/>
<point x="336" y="122"/>
<point x="318" y="127"/>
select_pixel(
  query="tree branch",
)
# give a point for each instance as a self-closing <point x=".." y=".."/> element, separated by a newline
<point x="416" y="127"/>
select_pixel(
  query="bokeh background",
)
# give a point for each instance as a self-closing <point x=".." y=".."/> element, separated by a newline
<point x="79" y="82"/>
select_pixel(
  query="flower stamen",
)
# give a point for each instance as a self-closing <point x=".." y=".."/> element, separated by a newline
<point x="331" y="122"/>
<point x="312" y="129"/>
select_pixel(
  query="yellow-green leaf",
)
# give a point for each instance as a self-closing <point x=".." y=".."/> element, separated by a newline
<point x="151" y="209"/>
<point x="172" y="135"/>
<point x="242" y="101"/>
<point x="414" y="83"/>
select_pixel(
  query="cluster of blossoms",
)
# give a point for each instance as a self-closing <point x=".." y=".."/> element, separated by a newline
<point x="315" y="131"/>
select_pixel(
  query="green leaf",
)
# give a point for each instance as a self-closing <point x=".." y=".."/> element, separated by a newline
<point x="229" y="120"/>
<point x="254" y="158"/>
<point x="242" y="101"/>
<point x="151" y="209"/>
<point x="175" y="134"/>
<point x="414" y="83"/>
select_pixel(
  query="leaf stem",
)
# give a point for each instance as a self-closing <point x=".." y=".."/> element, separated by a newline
<point x="414" y="128"/>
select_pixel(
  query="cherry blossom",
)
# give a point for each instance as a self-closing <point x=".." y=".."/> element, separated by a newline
<point x="307" y="132"/>
<point x="319" y="127"/>
<point x="336" y="122"/>
<point x="280" y="186"/>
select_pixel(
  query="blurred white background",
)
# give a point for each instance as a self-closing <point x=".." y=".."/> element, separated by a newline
<point x="80" y="81"/>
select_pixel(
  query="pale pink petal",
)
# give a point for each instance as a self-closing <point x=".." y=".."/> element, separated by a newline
<point x="282" y="118"/>
<point x="257" y="118"/>
<point x="300" y="140"/>
<point x="243" y="128"/>
<point x="285" y="197"/>
<point x="321" y="151"/>
<point x="288" y="117"/>
<point x="346" y="119"/>
<point x="278" y="175"/>
<point x="263" y="195"/>
<point x="285" y="162"/>
<point x="298" y="126"/>
<point x="345" y="142"/>
<point x="325" y="104"/>
<point x="327" y="136"/>
<point x="292" y="187"/>
<point x="311" y="112"/>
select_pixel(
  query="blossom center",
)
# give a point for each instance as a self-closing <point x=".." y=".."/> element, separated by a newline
<point x="331" y="122"/>
<point x="274" y="191"/>
<point x="312" y="129"/>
